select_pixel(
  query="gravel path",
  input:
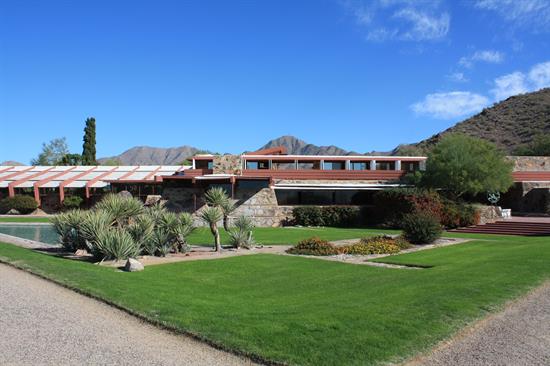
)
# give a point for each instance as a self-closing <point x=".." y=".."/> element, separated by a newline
<point x="519" y="335"/>
<point x="45" y="324"/>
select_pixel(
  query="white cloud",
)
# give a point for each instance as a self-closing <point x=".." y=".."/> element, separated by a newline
<point x="458" y="77"/>
<point x="450" y="105"/>
<point x="508" y="85"/>
<point x="424" y="26"/>
<point x="534" y="14"/>
<point x="540" y="75"/>
<point x="518" y="82"/>
<point x="488" y="56"/>
<point x="402" y="20"/>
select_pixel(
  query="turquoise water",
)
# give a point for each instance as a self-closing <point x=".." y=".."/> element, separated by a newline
<point x="43" y="233"/>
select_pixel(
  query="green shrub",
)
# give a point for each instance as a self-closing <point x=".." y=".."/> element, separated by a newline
<point x="313" y="246"/>
<point x="72" y="202"/>
<point x="22" y="203"/>
<point x="308" y="216"/>
<point x="376" y="245"/>
<point x="241" y="235"/>
<point x="115" y="244"/>
<point x="460" y="214"/>
<point x="336" y="216"/>
<point x="392" y="205"/>
<point x="421" y="228"/>
<point x="122" y="208"/>
<point x="69" y="227"/>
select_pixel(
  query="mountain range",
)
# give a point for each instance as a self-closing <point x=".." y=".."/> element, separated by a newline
<point x="509" y="124"/>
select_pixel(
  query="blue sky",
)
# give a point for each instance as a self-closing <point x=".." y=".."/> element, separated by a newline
<point x="230" y="75"/>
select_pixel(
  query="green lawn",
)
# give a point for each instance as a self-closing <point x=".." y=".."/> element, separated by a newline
<point x="289" y="235"/>
<point x="310" y="311"/>
<point x="28" y="219"/>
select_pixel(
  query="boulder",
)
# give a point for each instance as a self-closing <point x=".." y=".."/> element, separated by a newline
<point x="125" y="194"/>
<point x="152" y="199"/>
<point x="13" y="211"/>
<point x="133" y="265"/>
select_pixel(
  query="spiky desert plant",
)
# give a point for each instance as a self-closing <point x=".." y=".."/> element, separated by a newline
<point x="156" y="211"/>
<point x="241" y="235"/>
<point x="115" y="243"/>
<point x="183" y="230"/>
<point x="211" y="215"/>
<point x="141" y="230"/>
<point x="94" y="222"/>
<point x="161" y="239"/>
<point x="217" y="197"/>
<point x="122" y="208"/>
<point x="68" y="225"/>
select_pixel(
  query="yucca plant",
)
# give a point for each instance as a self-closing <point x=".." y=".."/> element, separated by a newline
<point x="241" y="235"/>
<point x="68" y="225"/>
<point x="182" y="231"/>
<point x="217" y="197"/>
<point x="141" y="230"/>
<point x="122" y="208"/>
<point x="115" y="243"/>
<point x="211" y="215"/>
<point x="161" y="239"/>
<point x="94" y="222"/>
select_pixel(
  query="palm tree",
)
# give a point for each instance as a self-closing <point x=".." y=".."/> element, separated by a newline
<point x="217" y="197"/>
<point x="211" y="215"/>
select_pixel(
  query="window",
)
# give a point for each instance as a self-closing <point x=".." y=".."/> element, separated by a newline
<point x="410" y="166"/>
<point x="204" y="164"/>
<point x="359" y="165"/>
<point x="385" y="165"/>
<point x="291" y="197"/>
<point x="257" y="164"/>
<point x="334" y="165"/>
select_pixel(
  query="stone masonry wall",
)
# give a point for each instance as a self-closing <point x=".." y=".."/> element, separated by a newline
<point x="530" y="163"/>
<point x="227" y="164"/>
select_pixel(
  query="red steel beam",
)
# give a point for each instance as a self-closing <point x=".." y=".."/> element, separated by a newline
<point x="12" y="185"/>
<point x="150" y="175"/>
<point x="6" y="169"/>
<point x="96" y="179"/>
<point x="15" y="174"/>
<point x="69" y="181"/>
<point x="41" y="182"/>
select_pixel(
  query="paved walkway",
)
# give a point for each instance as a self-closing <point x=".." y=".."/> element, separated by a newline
<point x="45" y="324"/>
<point x="517" y="336"/>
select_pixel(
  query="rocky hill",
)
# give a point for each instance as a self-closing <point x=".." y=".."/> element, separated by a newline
<point x="509" y="124"/>
<point x="299" y="147"/>
<point x="145" y="155"/>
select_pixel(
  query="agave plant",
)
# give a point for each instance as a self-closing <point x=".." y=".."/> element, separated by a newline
<point x="115" y="243"/>
<point x="217" y="197"/>
<point x="241" y="235"/>
<point x="211" y="216"/>
<point x="123" y="209"/>
<point x="68" y="225"/>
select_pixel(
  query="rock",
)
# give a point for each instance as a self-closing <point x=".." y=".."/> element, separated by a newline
<point x="133" y="265"/>
<point x="152" y="199"/>
<point x="125" y="194"/>
<point x="81" y="252"/>
<point x="13" y="211"/>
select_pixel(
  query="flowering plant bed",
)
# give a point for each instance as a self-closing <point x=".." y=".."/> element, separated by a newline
<point x="382" y="244"/>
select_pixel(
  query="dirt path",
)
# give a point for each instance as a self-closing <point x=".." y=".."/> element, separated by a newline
<point x="42" y="323"/>
<point x="518" y="335"/>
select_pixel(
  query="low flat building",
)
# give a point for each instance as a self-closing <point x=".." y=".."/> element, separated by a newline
<point x="266" y="184"/>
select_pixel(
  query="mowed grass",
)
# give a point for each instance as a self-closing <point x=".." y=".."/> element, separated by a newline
<point x="25" y="219"/>
<point x="288" y="235"/>
<point x="315" y="312"/>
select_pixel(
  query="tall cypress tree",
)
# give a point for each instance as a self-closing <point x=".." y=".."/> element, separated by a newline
<point x="88" y="148"/>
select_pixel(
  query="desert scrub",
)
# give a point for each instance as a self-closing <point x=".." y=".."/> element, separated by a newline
<point x="313" y="246"/>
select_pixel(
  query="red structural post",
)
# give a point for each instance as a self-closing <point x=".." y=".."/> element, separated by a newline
<point x="12" y="185"/>
<point x="96" y="179"/>
<point x="69" y="181"/>
<point x="36" y="185"/>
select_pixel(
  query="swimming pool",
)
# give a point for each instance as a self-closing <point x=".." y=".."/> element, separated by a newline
<point x="43" y="233"/>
